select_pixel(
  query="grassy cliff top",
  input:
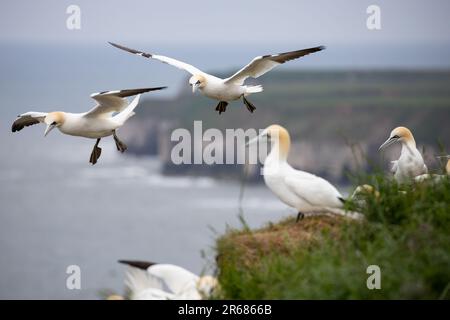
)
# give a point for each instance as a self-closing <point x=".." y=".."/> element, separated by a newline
<point x="405" y="233"/>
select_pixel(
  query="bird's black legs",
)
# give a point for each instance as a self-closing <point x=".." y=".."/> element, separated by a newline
<point x="119" y="144"/>
<point x="96" y="152"/>
<point x="222" y="106"/>
<point x="300" y="216"/>
<point x="249" y="105"/>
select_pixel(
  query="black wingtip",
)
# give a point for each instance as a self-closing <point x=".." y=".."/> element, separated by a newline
<point x="157" y="88"/>
<point x="144" y="265"/>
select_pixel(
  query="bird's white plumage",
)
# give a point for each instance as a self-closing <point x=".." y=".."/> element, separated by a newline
<point x="110" y="113"/>
<point x="108" y="103"/>
<point x="178" y="64"/>
<point x="164" y="281"/>
<point x="301" y="190"/>
<point x="254" y="69"/>
<point x="410" y="164"/>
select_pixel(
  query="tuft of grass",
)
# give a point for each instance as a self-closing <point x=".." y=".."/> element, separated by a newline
<point x="405" y="233"/>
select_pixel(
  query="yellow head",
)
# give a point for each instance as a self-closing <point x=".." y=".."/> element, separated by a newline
<point x="53" y="119"/>
<point x="197" y="81"/>
<point x="277" y="133"/>
<point x="400" y="134"/>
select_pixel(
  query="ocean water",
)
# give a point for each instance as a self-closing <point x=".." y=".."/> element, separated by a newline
<point x="58" y="210"/>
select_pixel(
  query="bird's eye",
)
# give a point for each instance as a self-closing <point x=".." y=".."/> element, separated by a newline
<point x="54" y="123"/>
<point x="395" y="137"/>
<point x="198" y="82"/>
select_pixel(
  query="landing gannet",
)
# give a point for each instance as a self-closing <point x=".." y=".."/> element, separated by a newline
<point x="152" y="281"/>
<point x="410" y="164"/>
<point x="232" y="88"/>
<point x="110" y="113"/>
<point x="301" y="190"/>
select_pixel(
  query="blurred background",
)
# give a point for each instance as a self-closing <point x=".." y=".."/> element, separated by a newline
<point x="58" y="210"/>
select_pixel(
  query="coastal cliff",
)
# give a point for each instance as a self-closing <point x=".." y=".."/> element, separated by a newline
<point x="355" y="111"/>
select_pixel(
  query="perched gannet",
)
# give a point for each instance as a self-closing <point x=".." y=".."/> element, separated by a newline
<point x="410" y="164"/>
<point x="231" y="88"/>
<point x="110" y="113"/>
<point x="153" y="281"/>
<point x="301" y="190"/>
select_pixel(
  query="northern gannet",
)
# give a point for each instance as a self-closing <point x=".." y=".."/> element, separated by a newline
<point x="301" y="190"/>
<point x="231" y="88"/>
<point x="110" y="113"/>
<point x="153" y="281"/>
<point x="410" y="164"/>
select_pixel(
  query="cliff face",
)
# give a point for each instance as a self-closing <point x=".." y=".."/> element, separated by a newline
<point x="335" y="118"/>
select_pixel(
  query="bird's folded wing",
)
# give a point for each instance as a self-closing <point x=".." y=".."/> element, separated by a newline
<point x="138" y="280"/>
<point x="28" y="119"/>
<point x="175" y="278"/>
<point x="114" y="101"/>
<point x="173" y="62"/>
<point x="262" y="64"/>
<point x="314" y="190"/>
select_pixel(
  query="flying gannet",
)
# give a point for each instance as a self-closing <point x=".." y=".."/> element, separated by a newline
<point x="153" y="281"/>
<point x="305" y="192"/>
<point x="110" y="113"/>
<point x="410" y="164"/>
<point x="232" y="88"/>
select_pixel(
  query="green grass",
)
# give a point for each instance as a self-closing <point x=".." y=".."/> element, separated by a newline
<point x="405" y="232"/>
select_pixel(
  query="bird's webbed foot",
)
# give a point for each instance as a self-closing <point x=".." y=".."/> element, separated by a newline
<point x="222" y="106"/>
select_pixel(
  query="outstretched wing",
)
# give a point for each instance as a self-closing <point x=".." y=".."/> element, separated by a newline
<point x="262" y="64"/>
<point x="28" y="119"/>
<point x="114" y="101"/>
<point x="173" y="62"/>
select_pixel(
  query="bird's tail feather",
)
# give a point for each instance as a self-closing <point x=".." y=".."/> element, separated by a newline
<point x="253" y="89"/>
<point x="128" y="112"/>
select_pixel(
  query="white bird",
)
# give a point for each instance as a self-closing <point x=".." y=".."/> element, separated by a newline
<point x="110" y="113"/>
<point x="301" y="190"/>
<point x="410" y="164"/>
<point x="153" y="281"/>
<point x="232" y="88"/>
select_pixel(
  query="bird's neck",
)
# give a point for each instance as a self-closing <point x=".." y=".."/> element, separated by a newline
<point x="279" y="151"/>
<point x="409" y="146"/>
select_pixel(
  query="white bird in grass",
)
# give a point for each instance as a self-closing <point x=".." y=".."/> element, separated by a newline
<point x="232" y="88"/>
<point x="153" y="281"/>
<point x="410" y="164"/>
<point x="301" y="190"/>
<point x="110" y="113"/>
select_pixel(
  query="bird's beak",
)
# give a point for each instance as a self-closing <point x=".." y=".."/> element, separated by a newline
<point x="387" y="143"/>
<point x="49" y="128"/>
<point x="255" y="139"/>
<point x="194" y="87"/>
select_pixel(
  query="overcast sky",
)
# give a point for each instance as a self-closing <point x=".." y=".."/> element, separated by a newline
<point x="216" y="22"/>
